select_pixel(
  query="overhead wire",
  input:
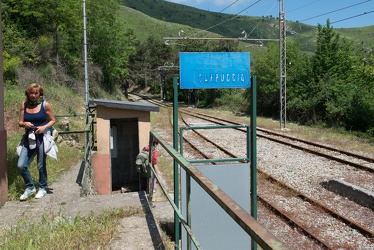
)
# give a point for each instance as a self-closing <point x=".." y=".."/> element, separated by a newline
<point x="266" y="3"/>
<point x="303" y="6"/>
<point x="256" y="2"/>
<point x="350" y="6"/>
<point x="235" y="16"/>
<point x="262" y="19"/>
<point x="228" y="6"/>
<point x="344" y="19"/>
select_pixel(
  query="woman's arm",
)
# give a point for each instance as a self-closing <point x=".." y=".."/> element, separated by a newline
<point x="50" y="115"/>
<point x="51" y="118"/>
<point x="21" y="121"/>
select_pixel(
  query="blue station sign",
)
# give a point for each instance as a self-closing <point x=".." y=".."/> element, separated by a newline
<point x="206" y="70"/>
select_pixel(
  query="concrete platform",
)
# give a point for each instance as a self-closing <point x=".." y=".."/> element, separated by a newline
<point x="357" y="194"/>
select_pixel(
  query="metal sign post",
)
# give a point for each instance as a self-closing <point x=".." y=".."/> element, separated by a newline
<point x="208" y="70"/>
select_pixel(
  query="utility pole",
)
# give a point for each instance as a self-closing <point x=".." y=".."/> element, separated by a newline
<point x="167" y="66"/>
<point x="282" y="65"/>
<point x="85" y="56"/>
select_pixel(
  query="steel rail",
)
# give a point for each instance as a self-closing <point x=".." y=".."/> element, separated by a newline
<point x="343" y="161"/>
<point x="363" y="230"/>
<point x="276" y="210"/>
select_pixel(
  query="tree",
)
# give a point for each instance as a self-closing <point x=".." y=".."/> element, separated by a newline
<point x="331" y="64"/>
<point x="110" y="43"/>
<point x="150" y="55"/>
<point x="266" y="69"/>
<point x="57" y="20"/>
<point x="360" y="114"/>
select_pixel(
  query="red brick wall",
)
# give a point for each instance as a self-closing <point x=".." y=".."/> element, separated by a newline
<point x="102" y="173"/>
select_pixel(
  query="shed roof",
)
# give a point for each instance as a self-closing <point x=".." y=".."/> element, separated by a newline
<point x="124" y="105"/>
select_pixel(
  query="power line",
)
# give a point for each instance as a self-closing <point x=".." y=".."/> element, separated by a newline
<point x="335" y="10"/>
<point x="168" y="39"/>
<point x="265" y="4"/>
<point x="228" y="6"/>
<point x="304" y="6"/>
<point x="247" y="8"/>
<point x="262" y="19"/>
<point x="365" y="13"/>
<point x="235" y="16"/>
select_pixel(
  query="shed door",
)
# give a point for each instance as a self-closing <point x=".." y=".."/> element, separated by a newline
<point x="124" y="149"/>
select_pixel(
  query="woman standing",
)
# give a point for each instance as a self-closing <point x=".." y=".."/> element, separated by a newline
<point x="37" y="118"/>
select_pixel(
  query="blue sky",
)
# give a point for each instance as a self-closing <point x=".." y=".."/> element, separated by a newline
<point x="342" y="13"/>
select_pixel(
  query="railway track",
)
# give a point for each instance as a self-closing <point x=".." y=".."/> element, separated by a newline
<point x="267" y="179"/>
<point x="295" y="193"/>
<point x="356" y="160"/>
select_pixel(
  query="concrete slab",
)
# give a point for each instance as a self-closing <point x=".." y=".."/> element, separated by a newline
<point x="357" y="194"/>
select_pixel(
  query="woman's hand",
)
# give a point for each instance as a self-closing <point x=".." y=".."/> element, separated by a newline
<point x="41" y="130"/>
<point x="28" y="125"/>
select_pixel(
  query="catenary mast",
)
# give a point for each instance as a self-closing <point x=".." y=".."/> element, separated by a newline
<point x="282" y="65"/>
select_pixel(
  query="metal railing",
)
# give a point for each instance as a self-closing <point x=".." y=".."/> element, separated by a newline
<point x="70" y="132"/>
<point x="88" y="180"/>
<point x="246" y="159"/>
<point x="249" y="224"/>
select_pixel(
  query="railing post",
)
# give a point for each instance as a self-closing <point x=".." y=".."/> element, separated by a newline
<point x="176" y="172"/>
<point x="253" y="155"/>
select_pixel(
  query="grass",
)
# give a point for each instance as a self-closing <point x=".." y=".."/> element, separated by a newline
<point x="94" y="231"/>
<point x="340" y="138"/>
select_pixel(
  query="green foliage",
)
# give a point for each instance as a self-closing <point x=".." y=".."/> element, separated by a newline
<point x="127" y="46"/>
<point x="45" y="31"/>
<point x="230" y="25"/>
<point x="150" y="55"/>
<point x="333" y="87"/>
<point x="234" y="101"/>
<point x="360" y="114"/>
<point x="46" y="18"/>
<point x="267" y="71"/>
<point x="332" y="65"/>
<point x="110" y="43"/>
<point x="10" y="65"/>
<point x="17" y="49"/>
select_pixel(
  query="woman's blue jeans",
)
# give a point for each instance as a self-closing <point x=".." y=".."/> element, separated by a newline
<point x="25" y="158"/>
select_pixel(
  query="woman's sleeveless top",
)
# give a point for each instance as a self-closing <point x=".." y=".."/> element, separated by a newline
<point x="38" y="119"/>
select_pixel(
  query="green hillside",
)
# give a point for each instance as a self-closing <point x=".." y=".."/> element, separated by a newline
<point x="231" y="26"/>
<point x="145" y="26"/>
